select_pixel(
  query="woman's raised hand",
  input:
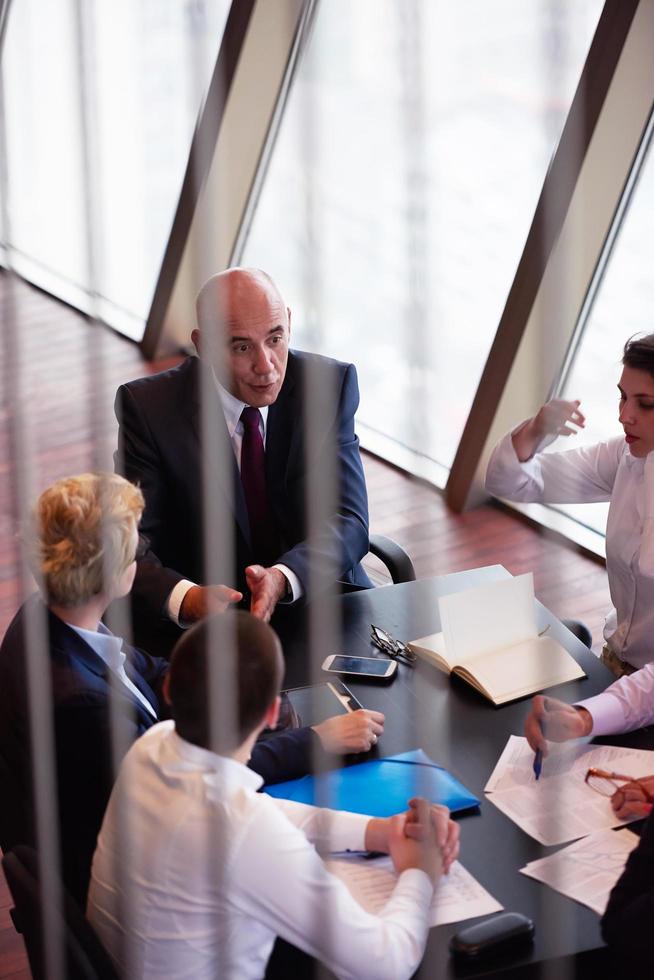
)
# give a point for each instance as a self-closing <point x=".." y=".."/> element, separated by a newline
<point x="556" y="418"/>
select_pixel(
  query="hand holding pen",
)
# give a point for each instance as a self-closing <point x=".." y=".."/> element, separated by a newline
<point x="356" y="731"/>
<point x="554" y="720"/>
<point x="538" y="763"/>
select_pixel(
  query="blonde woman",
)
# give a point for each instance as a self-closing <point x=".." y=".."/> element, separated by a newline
<point x="83" y="544"/>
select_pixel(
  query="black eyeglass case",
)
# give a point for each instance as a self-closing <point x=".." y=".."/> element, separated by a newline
<point x="498" y="934"/>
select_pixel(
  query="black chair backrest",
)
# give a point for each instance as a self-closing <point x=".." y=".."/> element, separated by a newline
<point x="85" y="957"/>
<point x="15" y="815"/>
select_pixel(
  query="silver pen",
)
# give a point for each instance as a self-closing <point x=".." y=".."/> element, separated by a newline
<point x="344" y="695"/>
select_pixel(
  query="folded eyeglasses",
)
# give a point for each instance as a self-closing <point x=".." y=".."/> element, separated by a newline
<point x="392" y="647"/>
<point x="607" y="783"/>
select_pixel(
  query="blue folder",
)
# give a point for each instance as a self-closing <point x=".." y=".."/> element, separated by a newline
<point x="379" y="788"/>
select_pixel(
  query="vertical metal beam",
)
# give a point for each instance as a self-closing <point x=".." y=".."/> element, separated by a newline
<point x="5" y="6"/>
<point x="197" y="169"/>
<point x="257" y="53"/>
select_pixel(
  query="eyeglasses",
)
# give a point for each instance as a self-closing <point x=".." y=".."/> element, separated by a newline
<point x="606" y="783"/>
<point x="142" y="547"/>
<point x="392" y="647"/>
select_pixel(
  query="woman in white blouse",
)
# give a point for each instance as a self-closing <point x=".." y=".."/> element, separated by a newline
<point x="621" y="471"/>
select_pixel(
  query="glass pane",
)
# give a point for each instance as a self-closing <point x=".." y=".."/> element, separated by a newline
<point x="148" y="64"/>
<point x="402" y="187"/>
<point x="154" y="63"/>
<point x="44" y="149"/>
<point x="623" y="307"/>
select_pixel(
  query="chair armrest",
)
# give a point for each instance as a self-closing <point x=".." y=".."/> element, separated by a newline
<point x="394" y="557"/>
<point x="15" y="918"/>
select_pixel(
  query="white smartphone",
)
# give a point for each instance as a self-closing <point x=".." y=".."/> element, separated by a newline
<point x="360" y="666"/>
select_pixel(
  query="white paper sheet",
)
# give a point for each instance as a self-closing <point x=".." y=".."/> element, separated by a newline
<point x="457" y="895"/>
<point x="587" y="870"/>
<point x="515" y="766"/>
<point x="560" y="807"/>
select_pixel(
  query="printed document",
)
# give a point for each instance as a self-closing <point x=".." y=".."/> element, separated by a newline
<point x="587" y="870"/>
<point x="457" y="895"/>
<point x="560" y="807"/>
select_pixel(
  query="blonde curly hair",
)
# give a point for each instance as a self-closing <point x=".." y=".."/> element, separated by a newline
<point x="81" y="540"/>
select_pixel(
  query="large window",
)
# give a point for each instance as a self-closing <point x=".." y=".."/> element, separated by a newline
<point x="401" y="189"/>
<point x="100" y="114"/>
<point x="622" y="306"/>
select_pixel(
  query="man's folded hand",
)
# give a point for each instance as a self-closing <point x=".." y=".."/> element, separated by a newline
<point x="418" y="849"/>
<point x="447" y="831"/>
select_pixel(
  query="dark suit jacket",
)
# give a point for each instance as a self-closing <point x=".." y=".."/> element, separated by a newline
<point x="161" y="448"/>
<point x="80" y="692"/>
<point x="83" y="761"/>
<point x="629" y="915"/>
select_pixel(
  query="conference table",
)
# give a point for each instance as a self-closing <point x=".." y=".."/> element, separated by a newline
<point x="465" y="733"/>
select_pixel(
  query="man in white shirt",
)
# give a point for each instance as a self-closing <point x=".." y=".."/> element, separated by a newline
<point x="210" y="871"/>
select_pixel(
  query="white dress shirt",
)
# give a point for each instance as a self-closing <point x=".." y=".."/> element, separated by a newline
<point x="109" y="648"/>
<point x="605" y="471"/>
<point x="232" y="410"/>
<point x="215" y="871"/>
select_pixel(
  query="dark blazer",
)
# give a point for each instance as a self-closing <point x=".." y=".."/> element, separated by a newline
<point x="80" y="692"/>
<point x="161" y="448"/>
<point x="80" y="688"/>
<point x="629" y="916"/>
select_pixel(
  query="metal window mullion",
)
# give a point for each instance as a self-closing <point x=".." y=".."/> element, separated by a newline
<point x="543" y="241"/>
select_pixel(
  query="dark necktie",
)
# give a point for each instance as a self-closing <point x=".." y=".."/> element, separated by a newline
<point x="253" y="478"/>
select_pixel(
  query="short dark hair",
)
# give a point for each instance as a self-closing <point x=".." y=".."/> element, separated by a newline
<point x="259" y="669"/>
<point x="639" y="353"/>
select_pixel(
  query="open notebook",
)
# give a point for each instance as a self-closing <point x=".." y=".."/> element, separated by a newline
<point x="490" y="639"/>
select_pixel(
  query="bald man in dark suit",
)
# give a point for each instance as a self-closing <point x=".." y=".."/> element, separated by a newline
<point x="259" y="389"/>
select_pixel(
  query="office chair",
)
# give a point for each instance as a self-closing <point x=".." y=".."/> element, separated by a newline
<point x="85" y="957"/>
<point x="580" y="630"/>
<point x="394" y="557"/>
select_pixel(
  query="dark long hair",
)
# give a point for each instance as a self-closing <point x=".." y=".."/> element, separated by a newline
<point x="639" y="353"/>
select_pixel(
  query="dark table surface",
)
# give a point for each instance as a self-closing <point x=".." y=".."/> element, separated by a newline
<point x="465" y="733"/>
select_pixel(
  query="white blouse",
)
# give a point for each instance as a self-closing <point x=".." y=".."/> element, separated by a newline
<point x="604" y="472"/>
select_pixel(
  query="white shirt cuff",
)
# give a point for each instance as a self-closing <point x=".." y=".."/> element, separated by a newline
<point x="175" y="600"/>
<point x="417" y="881"/>
<point x="296" y="586"/>
<point x="505" y="470"/>
<point x="348" y="833"/>
<point x="606" y="713"/>
<point x="330" y="830"/>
